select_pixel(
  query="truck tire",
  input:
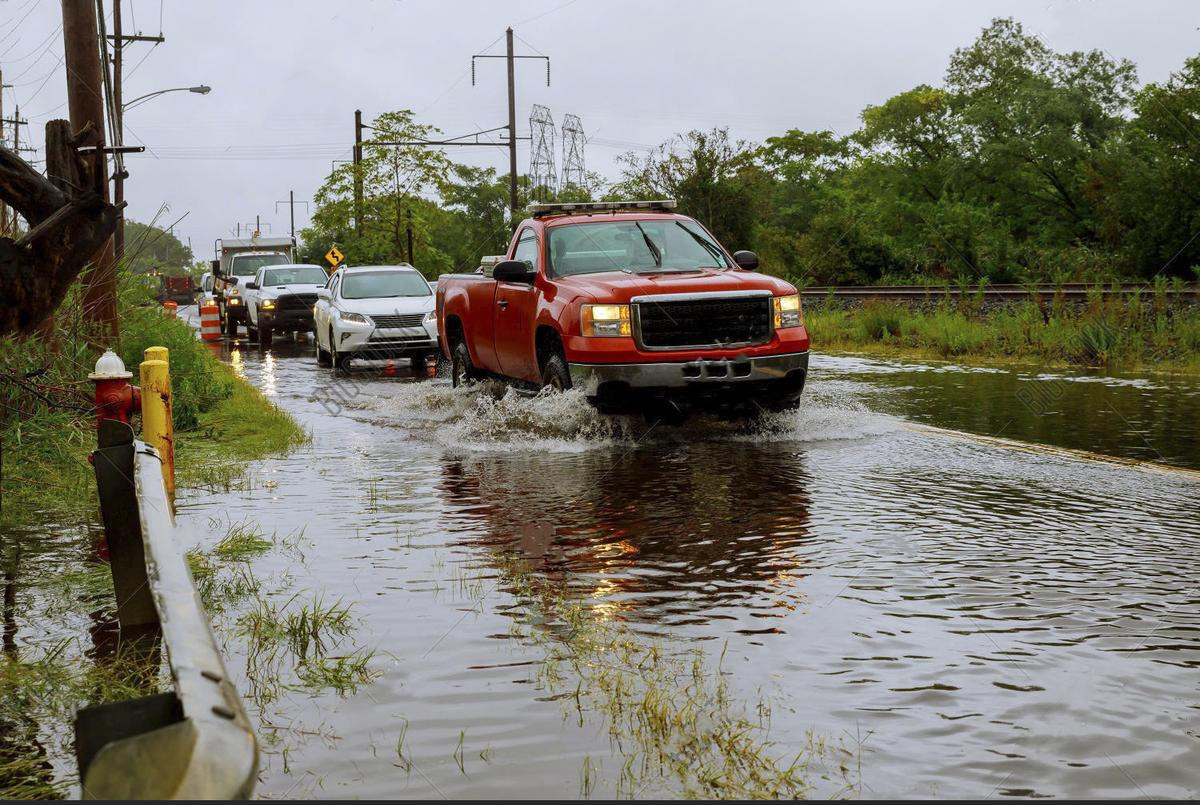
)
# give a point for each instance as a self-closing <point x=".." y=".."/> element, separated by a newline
<point x="555" y="374"/>
<point x="265" y="334"/>
<point x="230" y="324"/>
<point x="462" y="372"/>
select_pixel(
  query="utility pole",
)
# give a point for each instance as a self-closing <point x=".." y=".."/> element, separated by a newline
<point x="512" y="132"/>
<point x="408" y="214"/>
<point x="510" y="58"/>
<point x="291" y="202"/>
<point x="3" y="206"/>
<point x="85" y="99"/>
<point x="358" y="180"/>
<point x="119" y="39"/>
<point x="119" y="179"/>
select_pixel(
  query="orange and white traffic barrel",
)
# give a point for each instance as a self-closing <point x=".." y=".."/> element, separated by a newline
<point x="210" y="322"/>
<point x="169" y="307"/>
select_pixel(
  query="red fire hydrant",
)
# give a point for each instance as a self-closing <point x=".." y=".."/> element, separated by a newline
<point x="116" y="397"/>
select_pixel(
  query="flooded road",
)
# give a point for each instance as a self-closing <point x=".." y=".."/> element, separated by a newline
<point x="958" y="619"/>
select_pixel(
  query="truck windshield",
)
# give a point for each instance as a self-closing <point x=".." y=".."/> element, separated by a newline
<point x="311" y="275"/>
<point x="247" y="265"/>
<point x="638" y="246"/>
<point x="383" y="285"/>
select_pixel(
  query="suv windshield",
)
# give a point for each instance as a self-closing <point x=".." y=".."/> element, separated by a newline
<point x="639" y="246"/>
<point x="312" y="275"/>
<point x="247" y="265"/>
<point x="383" y="284"/>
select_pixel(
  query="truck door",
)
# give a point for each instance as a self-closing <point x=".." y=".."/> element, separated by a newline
<point x="515" y="308"/>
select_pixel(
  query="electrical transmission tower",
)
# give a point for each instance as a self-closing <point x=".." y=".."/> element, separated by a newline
<point x="542" y="176"/>
<point x="573" y="173"/>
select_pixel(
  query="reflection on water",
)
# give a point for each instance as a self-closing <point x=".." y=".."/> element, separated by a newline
<point x="1147" y="418"/>
<point x="668" y="538"/>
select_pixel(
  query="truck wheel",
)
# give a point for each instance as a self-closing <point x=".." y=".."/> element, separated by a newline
<point x="461" y="370"/>
<point x="265" y="334"/>
<point x="230" y="325"/>
<point x="555" y="375"/>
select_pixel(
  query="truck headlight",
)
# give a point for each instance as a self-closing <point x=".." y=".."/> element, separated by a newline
<point x="606" y="320"/>
<point x="788" y="312"/>
<point x="233" y="300"/>
<point x="353" y="318"/>
<point x="268" y="304"/>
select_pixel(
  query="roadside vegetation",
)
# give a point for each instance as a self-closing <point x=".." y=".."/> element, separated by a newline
<point x="1112" y="331"/>
<point x="48" y="508"/>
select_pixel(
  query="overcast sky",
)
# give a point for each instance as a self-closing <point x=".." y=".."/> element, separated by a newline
<point x="286" y="77"/>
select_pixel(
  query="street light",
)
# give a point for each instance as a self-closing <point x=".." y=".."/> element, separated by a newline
<point x="200" y="90"/>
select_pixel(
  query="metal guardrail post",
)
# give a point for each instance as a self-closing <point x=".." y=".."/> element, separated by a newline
<point x="157" y="418"/>
<point x="194" y="742"/>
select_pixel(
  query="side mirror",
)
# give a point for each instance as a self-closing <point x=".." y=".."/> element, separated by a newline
<point x="323" y="293"/>
<point x="216" y="268"/>
<point x="746" y="260"/>
<point x="252" y="286"/>
<point x="513" y="271"/>
<point x="231" y="280"/>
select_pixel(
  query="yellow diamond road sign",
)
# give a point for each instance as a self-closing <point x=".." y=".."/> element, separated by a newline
<point x="334" y="256"/>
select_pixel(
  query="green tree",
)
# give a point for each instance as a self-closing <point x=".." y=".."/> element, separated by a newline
<point x="152" y="248"/>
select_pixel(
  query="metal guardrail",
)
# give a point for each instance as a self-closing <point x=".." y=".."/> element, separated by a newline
<point x="1070" y="290"/>
<point x="194" y="742"/>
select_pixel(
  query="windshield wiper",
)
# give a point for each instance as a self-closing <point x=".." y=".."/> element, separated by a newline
<point x="708" y="247"/>
<point x="650" y="244"/>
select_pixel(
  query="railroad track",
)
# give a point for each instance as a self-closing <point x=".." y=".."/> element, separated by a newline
<point x="1070" y="290"/>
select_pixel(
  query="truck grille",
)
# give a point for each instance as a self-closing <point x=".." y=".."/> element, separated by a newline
<point x="296" y="302"/>
<point x="704" y="323"/>
<point x="392" y="322"/>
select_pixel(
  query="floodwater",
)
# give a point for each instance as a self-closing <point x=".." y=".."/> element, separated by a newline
<point x="964" y="617"/>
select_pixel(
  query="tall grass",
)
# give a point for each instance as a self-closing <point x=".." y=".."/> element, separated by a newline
<point x="1110" y="330"/>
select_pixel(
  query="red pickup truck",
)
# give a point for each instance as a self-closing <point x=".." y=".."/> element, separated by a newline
<point x="638" y="306"/>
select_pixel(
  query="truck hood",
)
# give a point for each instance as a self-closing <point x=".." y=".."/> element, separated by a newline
<point x="621" y="287"/>
<point x="383" y="307"/>
<point x="273" y="291"/>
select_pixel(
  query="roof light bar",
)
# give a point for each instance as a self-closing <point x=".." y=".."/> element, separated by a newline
<point x="659" y="205"/>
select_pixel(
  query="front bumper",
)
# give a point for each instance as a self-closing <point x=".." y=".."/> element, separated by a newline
<point x="287" y="319"/>
<point x="592" y="378"/>
<point x="366" y="342"/>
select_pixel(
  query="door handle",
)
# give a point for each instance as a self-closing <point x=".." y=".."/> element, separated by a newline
<point x="503" y="303"/>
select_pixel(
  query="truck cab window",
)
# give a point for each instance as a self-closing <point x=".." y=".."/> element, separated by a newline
<point x="527" y="249"/>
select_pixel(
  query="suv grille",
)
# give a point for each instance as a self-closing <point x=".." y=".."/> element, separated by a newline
<point x="296" y="302"/>
<point x="704" y="322"/>
<point x="392" y="322"/>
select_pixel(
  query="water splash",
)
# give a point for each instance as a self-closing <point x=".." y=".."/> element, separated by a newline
<point x="494" y="416"/>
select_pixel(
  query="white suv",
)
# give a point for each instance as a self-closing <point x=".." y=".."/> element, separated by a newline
<point x="374" y="313"/>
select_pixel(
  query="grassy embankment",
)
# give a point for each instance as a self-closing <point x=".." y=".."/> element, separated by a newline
<point x="48" y="508"/>
<point x="1110" y="331"/>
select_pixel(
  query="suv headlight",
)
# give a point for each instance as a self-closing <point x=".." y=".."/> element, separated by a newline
<point x="788" y="312"/>
<point x="354" y="318"/>
<point x="606" y="321"/>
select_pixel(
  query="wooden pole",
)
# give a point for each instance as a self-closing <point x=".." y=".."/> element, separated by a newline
<point x="85" y="100"/>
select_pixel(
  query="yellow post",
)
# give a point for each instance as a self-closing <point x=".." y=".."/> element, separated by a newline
<point x="157" y="425"/>
<point x="157" y="354"/>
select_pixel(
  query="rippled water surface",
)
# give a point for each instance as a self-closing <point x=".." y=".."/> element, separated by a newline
<point x="966" y="619"/>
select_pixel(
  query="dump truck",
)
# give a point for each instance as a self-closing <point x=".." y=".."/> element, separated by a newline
<point x="237" y="261"/>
